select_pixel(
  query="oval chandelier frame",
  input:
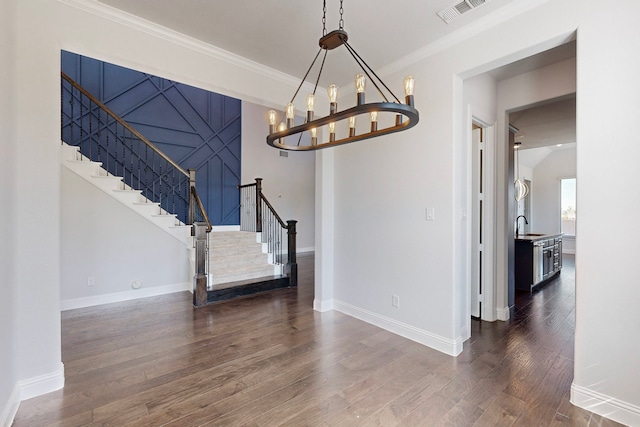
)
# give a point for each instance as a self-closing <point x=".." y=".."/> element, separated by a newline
<point x="411" y="114"/>
<point x="406" y="115"/>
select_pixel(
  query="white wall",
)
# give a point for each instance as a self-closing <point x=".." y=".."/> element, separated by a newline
<point x="103" y="238"/>
<point x="8" y="350"/>
<point x="37" y="202"/>
<point x="545" y="189"/>
<point x="288" y="182"/>
<point x="606" y="345"/>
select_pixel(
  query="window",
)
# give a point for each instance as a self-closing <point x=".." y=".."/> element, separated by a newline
<point x="568" y="206"/>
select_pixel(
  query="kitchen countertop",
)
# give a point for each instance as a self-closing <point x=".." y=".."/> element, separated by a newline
<point x="532" y="237"/>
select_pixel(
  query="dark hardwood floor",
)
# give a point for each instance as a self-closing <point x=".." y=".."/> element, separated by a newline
<point x="269" y="359"/>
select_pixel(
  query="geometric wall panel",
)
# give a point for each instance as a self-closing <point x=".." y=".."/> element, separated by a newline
<point x="196" y="128"/>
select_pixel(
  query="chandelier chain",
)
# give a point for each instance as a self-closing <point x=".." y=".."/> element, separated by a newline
<point x="324" y="17"/>
<point x="341" y="19"/>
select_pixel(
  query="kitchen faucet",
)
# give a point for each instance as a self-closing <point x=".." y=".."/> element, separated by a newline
<point x="517" y="224"/>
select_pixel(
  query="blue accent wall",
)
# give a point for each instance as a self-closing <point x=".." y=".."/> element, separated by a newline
<point x="197" y="129"/>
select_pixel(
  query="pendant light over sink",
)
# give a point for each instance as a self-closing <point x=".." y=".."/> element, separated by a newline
<point x="521" y="189"/>
<point x="405" y="116"/>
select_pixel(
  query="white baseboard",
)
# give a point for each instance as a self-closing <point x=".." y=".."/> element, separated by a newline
<point x="614" y="409"/>
<point x="322" y="306"/>
<point x="42" y="384"/>
<point x="445" y="345"/>
<point x="11" y="408"/>
<point x="503" y="313"/>
<point x="74" y="303"/>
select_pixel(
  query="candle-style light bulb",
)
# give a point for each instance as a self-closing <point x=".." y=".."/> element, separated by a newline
<point x="352" y="126"/>
<point x="374" y="121"/>
<point x="281" y="127"/>
<point x="409" y="83"/>
<point x="290" y="112"/>
<point x="332" y="131"/>
<point x="272" y="120"/>
<point x="314" y="136"/>
<point x="332" y="91"/>
<point x="361" y="84"/>
<point x="311" y="103"/>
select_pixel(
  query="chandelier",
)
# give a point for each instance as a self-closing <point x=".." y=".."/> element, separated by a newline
<point x="406" y="116"/>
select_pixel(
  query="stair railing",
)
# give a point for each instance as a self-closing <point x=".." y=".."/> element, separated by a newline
<point x="258" y="215"/>
<point x="103" y="136"/>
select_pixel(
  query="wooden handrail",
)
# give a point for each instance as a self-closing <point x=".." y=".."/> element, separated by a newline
<point x="194" y="192"/>
<point x="253" y="184"/>
<point x="123" y="123"/>
<point x="275" y="214"/>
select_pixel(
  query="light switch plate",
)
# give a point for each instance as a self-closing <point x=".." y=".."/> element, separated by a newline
<point x="430" y="214"/>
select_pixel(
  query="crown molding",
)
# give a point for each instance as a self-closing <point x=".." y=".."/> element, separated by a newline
<point x="137" y="23"/>
<point x="501" y="15"/>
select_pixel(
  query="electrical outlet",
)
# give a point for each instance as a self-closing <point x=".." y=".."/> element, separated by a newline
<point x="395" y="301"/>
<point x="91" y="281"/>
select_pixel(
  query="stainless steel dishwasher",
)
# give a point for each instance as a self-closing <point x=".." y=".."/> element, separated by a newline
<point x="543" y="260"/>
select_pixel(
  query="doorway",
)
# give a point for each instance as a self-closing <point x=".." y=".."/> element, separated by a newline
<point x="546" y="155"/>
<point x="517" y="87"/>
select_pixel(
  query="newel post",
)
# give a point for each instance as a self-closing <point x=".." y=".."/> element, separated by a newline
<point x="292" y="265"/>
<point x="258" y="205"/>
<point x="200" y="278"/>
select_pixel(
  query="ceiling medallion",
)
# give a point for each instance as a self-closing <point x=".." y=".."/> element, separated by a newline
<point x="406" y="116"/>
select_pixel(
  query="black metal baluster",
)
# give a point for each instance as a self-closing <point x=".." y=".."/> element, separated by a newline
<point x="160" y="183"/>
<point x="72" y="118"/>
<point x="131" y="176"/>
<point x="186" y="201"/>
<point x="124" y="158"/>
<point x="99" y="133"/>
<point x="173" y="191"/>
<point x="91" y="131"/>
<point x="107" y="146"/>
<point x="139" y="166"/>
<point x="146" y="171"/>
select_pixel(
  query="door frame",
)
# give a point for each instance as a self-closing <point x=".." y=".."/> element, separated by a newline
<point x="488" y="312"/>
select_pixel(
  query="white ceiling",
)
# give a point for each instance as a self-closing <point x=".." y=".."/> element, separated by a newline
<point x="546" y="125"/>
<point x="283" y="35"/>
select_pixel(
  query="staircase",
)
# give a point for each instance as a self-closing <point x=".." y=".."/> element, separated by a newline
<point x="226" y="264"/>
<point x="93" y="172"/>
<point x="240" y="267"/>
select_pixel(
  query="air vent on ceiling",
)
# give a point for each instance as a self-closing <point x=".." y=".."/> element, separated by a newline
<point x="452" y="12"/>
